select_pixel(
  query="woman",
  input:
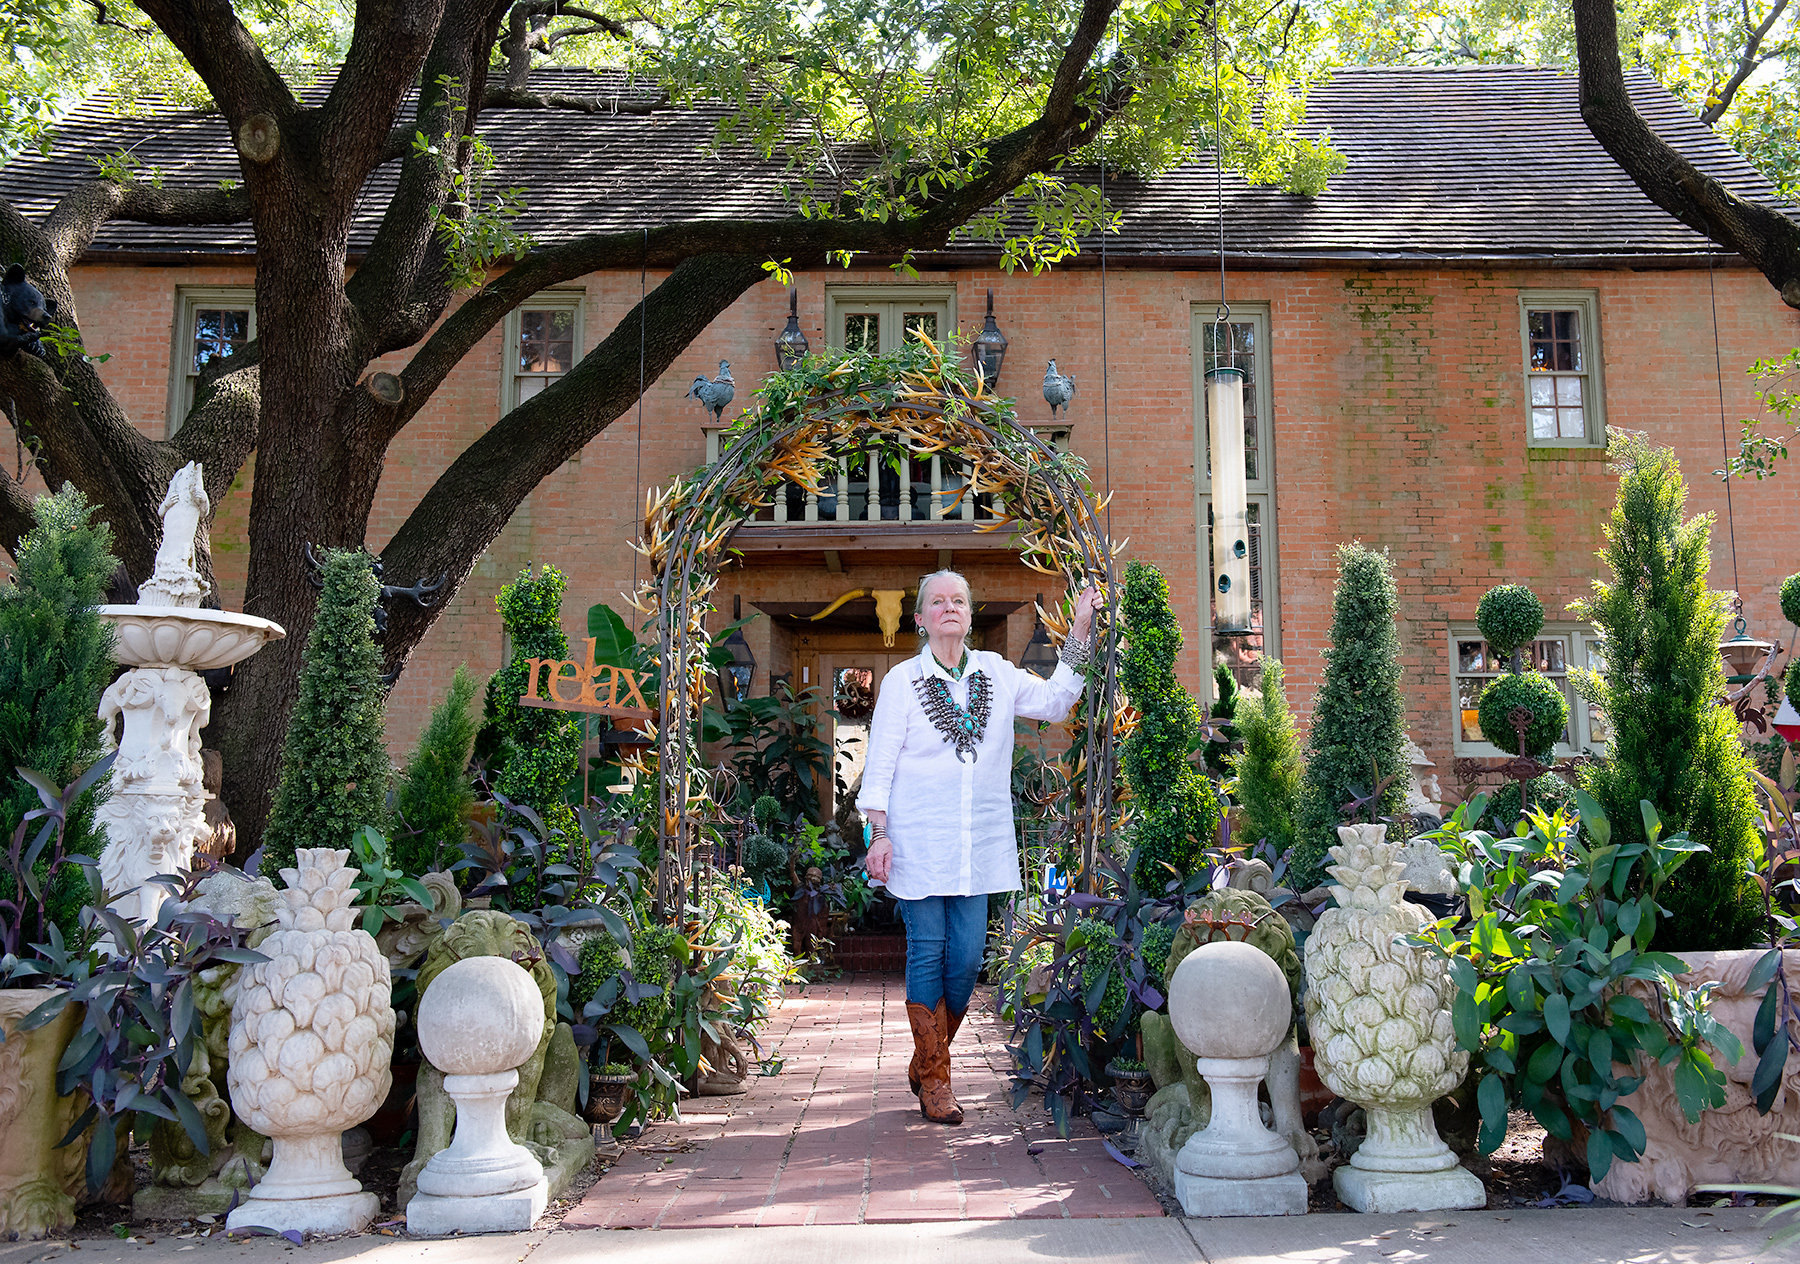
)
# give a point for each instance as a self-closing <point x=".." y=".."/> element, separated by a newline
<point x="937" y="792"/>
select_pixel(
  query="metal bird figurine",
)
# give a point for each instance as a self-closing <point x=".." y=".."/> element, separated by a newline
<point x="1059" y="389"/>
<point x="716" y="394"/>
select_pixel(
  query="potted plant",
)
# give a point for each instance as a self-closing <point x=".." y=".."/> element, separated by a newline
<point x="607" y="1089"/>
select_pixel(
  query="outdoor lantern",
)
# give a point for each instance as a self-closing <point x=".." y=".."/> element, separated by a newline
<point x="990" y="351"/>
<point x="1743" y="653"/>
<point x="1039" y="657"/>
<point x="791" y="346"/>
<point x="742" y="667"/>
<point x="1230" y="506"/>
<point x="1787" y="722"/>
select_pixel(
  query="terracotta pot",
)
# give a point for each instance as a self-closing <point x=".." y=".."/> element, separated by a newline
<point x="1314" y="1096"/>
<point x="38" y="1182"/>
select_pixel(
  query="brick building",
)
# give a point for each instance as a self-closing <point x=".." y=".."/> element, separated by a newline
<point x="1435" y="346"/>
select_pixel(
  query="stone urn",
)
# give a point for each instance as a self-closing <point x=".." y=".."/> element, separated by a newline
<point x="39" y="1183"/>
<point x="1378" y="1010"/>
<point x="155" y="817"/>
<point x="312" y="1033"/>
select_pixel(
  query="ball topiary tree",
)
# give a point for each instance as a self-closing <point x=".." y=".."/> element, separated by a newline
<point x="1177" y="808"/>
<point x="538" y="750"/>
<point x="334" y="765"/>
<point x="1268" y="768"/>
<point x="1790" y="610"/>
<point x="435" y="793"/>
<point x="1510" y="616"/>
<point x="1359" y="720"/>
<point x="1672" y="743"/>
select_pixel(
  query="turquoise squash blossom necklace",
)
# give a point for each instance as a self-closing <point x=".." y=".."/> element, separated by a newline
<point x="963" y="729"/>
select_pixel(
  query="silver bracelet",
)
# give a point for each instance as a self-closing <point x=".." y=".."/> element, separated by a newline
<point x="1075" y="654"/>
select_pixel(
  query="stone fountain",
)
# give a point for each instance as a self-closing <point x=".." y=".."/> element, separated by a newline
<point x="154" y="713"/>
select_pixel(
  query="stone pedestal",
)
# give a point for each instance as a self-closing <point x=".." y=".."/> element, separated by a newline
<point x="308" y="1188"/>
<point x="1403" y="1165"/>
<point x="1235" y="1166"/>
<point x="483" y="1182"/>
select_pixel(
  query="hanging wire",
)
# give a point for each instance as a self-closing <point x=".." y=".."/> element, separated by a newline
<point x="1724" y="436"/>
<point x="1105" y="382"/>
<point x="638" y="497"/>
<point x="1224" y="313"/>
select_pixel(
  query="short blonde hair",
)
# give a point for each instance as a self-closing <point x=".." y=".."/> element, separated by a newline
<point x="919" y="600"/>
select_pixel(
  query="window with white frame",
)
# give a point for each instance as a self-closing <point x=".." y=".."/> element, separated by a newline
<point x="210" y="324"/>
<point x="1241" y="340"/>
<point x="1558" y="648"/>
<point x="883" y="317"/>
<point x="543" y="342"/>
<point x="1560" y="330"/>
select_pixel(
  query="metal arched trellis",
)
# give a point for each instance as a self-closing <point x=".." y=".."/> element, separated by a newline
<point x="906" y="405"/>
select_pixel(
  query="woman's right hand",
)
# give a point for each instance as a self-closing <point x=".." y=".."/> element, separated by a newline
<point x="880" y="860"/>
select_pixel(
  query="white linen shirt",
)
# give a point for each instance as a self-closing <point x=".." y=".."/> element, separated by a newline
<point x="951" y="822"/>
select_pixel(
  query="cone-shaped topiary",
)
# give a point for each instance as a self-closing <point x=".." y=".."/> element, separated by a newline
<point x="539" y="749"/>
<point x="1509" y="616"/>
<point x="1672" y="744"/>
<point x="1535" y="692"/>
<point x="1268" y="768"/>
<point x="1359" y="720"/>
<point x="55" y="661"/>
<point x="435" y="794"/>
<point x="1177" y="808"/>
<point x="334" y="765"/>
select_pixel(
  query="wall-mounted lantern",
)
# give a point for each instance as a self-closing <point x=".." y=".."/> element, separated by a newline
<point x="791" y="345"/>
<point x="990" y="350"/>
<point x="735" y="676"/>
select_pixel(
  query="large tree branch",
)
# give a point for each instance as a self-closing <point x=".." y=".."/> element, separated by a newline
<point x="81" y="212"/>
<point x="519" y="99"/>
<point x="225" y="56"/>
<point x="387" y="50"/>
<point x="15" y="508"/>
<point x="1761" y="234"/>
<point x="1747" y="65"/>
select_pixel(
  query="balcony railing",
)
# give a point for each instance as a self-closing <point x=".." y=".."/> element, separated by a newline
<point x="867" y="489"/>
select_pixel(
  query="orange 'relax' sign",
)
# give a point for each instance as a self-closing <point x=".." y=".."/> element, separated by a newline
<point x="587" y="679"/>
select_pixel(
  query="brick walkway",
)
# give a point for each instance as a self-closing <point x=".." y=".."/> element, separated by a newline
<point x="837" y="1138"/>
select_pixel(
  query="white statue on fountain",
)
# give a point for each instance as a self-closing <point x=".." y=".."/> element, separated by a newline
<point x="153" y="713"/>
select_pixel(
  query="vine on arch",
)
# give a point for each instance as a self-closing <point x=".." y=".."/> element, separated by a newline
<point x="904" y="405"/>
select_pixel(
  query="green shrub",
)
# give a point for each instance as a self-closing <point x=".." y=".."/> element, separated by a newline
<point x="1159" y="937"/>
<point x="537" y="749"/>
<point x="1177" y="808"/>
<point x="55" y="662"/>
<point x="1535" y="692"/>
<point x="1359" y="719"/>
<point x="1227" y="698"/>
<point x="435" y="793"/>
<point x="652" y="964"/>
<point x="1546" y="793"/>
<point x="1268" y="768"/>
<point x="334" y="766"/>
<point x="1790" y="599"/>
<point x="766" y="811"/>
<point x="1096" y="957"/>
<point x="1509" y="616"/>
<point x="1672" y="744"/>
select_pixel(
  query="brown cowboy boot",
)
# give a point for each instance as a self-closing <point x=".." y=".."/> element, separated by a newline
<point x="948" y="1022"/>
<point x="936" y="1102"/>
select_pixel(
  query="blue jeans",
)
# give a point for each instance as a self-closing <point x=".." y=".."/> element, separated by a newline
<point x="945" y="936"/>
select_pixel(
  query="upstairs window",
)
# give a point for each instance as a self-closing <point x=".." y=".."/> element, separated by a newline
<point x="543" y="342"/>
<point x="1561" y="331"/>
<point x="210" y="324"/>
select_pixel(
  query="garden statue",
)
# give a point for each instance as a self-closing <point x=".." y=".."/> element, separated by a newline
<point x="1424" y="797"/>
<point x="38" y="1181"/>
<point x="155" y="817"/>
<point x="185" y="1183"/>
<point x="1731" y="1144"/>
<point x="1378" y="1010"/>
<point x="481" y="1022"/>
<point x="1182" y="1103"/>
<point x="1230" y="1005"/>
<point x="312" y="1035"/>
<point x="540" y="1114"/>
<point x="409" y="936"/>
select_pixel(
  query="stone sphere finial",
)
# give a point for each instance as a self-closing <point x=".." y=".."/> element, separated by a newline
<point x="482" y="1015"/>
<point x="1229" y="1000"/>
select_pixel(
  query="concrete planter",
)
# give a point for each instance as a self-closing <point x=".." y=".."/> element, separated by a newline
<point x="38" y="1182"/>
<point x="1731" y="1145"/>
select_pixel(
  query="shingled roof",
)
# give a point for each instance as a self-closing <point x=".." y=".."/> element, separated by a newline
<point x="1452" y="164"/>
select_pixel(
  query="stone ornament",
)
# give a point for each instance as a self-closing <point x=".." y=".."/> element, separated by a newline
<point x="312" y="1034"/>
<point x="480" y="1023"/>
<point x="155" y="817"/>
<point x="1732" y="1145"/>
<point x="1378" y="1011"/>
<point x="1230" y="1005"/>
<point x="38" y="1181"/>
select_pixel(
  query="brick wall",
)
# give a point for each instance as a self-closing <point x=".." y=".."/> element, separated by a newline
<point x="1399" y="419"/>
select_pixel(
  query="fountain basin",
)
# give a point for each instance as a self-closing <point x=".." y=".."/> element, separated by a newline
<point x="175" y="636"/>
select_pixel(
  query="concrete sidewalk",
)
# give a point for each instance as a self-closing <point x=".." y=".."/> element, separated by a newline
<point x="1572" y="1236"/>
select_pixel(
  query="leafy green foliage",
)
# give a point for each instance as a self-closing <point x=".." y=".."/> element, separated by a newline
<point x="1509" y="616"/>
<point x="478" y="222"/>
<point x="55" y="661"/>
<point x="435" y="794"/>
<point x="1177" y="809"/>
<point x="1672" y="744"/>
<point x="538" y="749"/>
<point x="334" y="766"/>
<point x="382" y="885"/>
<point x="1790" y="599"/>
<point x="1758" y="451"/>
<point x="1359" y="718"/>
<point x="1556" y="927"/>
<point x="1536" y="693"/>
<point x="1227" y="698"/>
<point x="775" y="749"/>
<point x="1268" y="769"/>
